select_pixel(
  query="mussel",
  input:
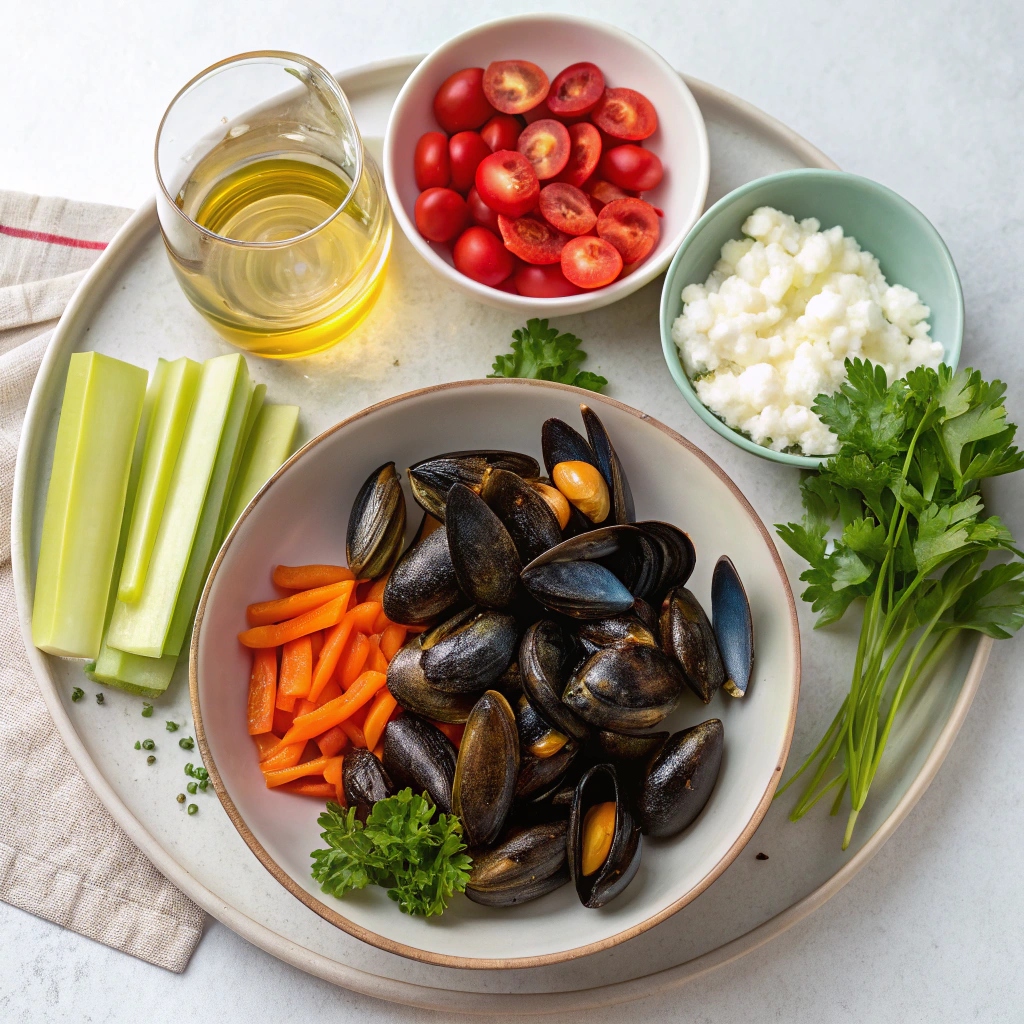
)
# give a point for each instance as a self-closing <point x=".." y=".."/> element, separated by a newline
<point x="528" y="863"/>
<point x="469" y="651"/>
<point x="627" y="628"/>
<point x="547" y="656"/>
<point x="733" y="626"/>
<point x="364" y="781"/>
<point x="680" y="779"/>
<point x="687" y="635"/>
<point x="526" y="515"/>
<point x="537" y="736"/>
<point x="417" y="754"/>
<point x="486" y="562"/>
<point x="622" y="510"/>
<point x="628" y="746"/>
<point x="604" y="840"/>
<point x="674" y="554"/>
<point x="376" y="524"/>
<point x="411" y="688"/>
<point x="539" y="777"/>
<point x="432" y="478"/>
<point x="581" y="590"/>
<point x="422" y="584"/>
<point x="561" y="443"/>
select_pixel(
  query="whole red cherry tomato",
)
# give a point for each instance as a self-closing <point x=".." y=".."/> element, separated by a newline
<point x="501" y="132"/>
<point x="465" y="151"/>
<point x="507" y="183"/>
<point x="480" y="213"/>
<point x="544" y="282"/>
<point x="430" y="161"/>
<point x="480" y="255"/>
<point x="632" y="167"/>
<point x="460" y="104"/>
<point x="440" y="214"/>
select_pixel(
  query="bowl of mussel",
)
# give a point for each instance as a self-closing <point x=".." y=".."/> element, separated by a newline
<point x="599" y="678"/>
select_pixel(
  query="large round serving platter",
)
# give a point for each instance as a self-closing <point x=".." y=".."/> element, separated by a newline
<point x="424" y="333"/>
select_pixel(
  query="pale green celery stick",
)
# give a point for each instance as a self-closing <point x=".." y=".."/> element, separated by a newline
<point x="267" y="450"/>
<point x="181" y="379"/>
<point x="85" y="502"/>
<point x="258" y="396"/>
<point x="141" y="628"/>
<point x="147" y="677"/>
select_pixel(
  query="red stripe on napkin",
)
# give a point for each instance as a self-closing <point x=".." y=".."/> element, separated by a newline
<point x="45" y="236"/>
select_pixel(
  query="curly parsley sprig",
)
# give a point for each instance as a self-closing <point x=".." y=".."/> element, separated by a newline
<point x="541" y="353"/>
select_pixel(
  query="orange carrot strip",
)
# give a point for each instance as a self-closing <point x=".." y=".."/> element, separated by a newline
<point x="265" y="613"/>
<point x="381" y="622"/>
<point x="316" y="642"/>
<point x="379" y="751"/>
<point x="354" y="731"/>
<point x="336" y="711"/>
<point x="330" y="692"/>
<point x="303" y="577"/>
<point x="284" y="702"/>
<point x="335" y="642"/>
<point x="332" y="772"/>
<point x="311" y="787"/>
<point x="377" y="717"/>
<point x="265" y="743"/>
<point x="376" y="591"/>
<point x="352" y="660"/>
<point x="282" y="720"/>
<point x="364" y="615"/>
<point x="296" y="674"/>
<point x="274" y="636"/>
<point x="391" y="640"/>
<point x="332" y="742"/>
<point x="285" y="757"/>
<point x="262" y="691"/>
<point x="453" y="732"/>
<point x="282" y="775"/>
<point x="376" y="661"/>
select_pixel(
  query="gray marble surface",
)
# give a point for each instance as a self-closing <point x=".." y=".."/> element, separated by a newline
<point x="926" y="98"/>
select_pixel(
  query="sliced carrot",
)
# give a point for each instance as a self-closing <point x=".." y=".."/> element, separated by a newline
<point x="377" y="717"/>
<point x="453" y="732"/>
<point x="303" y="706"/>
<point x="332" y="772"/>
<point x="330" y="692"/>
<point x="352" y="660"/>
<point x="262" y="691"/>
<point x="334" y="644"/>
<point x="284" y="702"/>
<point x="332" y="742"/>
<point x="316" y="642"/>
<point x="265" y="743"/>
<point x="303" y="577"/>
<point x="379" y="751"/>
<point x="285" y="757"/>
<point x="264" y="613"/>
<point x="283" y="775"/>
<point x="364" y="615"/>
<point x="336" y="711"/>
<point x="296" y="674"/>
<point x="282" y="720"/>
<point x="376" y="591"/>
<point x="381" y="622"/>
<point x="376" y="660"/>
<point x="354" y="731"/>
<point x="391" y="640"/>
<point x="326" y="615"/>
<point x="311" y="787"/>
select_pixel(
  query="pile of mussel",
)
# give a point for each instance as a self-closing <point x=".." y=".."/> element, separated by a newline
<point x="558" y="631"/>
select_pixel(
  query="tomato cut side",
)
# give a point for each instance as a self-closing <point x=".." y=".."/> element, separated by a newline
<point x="501" y="132"/>
<point x="507" y="183"/>
<point x="514" y="86"/>
<point x="576" y="90"/>
<point x="544" y="282"/>
<point x="631" y="225"/>
<point x="590" y="262"/>
<point x="479" y="212"/>
<point x="567" y="208"/>
<point x="604" y="191"/>
<point x="430" y="161"/>
<point x="531" y="239"/>
<point x="632" y="167"/>
<point x="480" y="255"/>
<point x="440" y="214"/>
<point x="465" y="151"/>
<point x="584" y="153"/>
<point x="460" y="104"/>
<point x="625" y="114"/>
<point x="546" y="145"/>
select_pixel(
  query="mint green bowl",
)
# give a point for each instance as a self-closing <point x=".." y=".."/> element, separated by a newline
<point x="909" y="249"/>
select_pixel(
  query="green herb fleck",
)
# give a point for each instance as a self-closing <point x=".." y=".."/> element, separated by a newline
<point x="171" y="726"/>
<point x="147" y="710"/>
<point x="77" y="694"/>
<point x="189" y="769"/>
<point x="148" y="745"/>
<point x="138" y="745"/>
<point x="191" y="787"/>
<point x="186" y="743"/>
<point x="180" y="798"/>
<point x="193" y="809"/>
<point x="203" y="785"/>
<point x="201" y="773"/>
<point x="539" y="352"/>
<point x="99" y="698"/>
<point x="151" y="759"/>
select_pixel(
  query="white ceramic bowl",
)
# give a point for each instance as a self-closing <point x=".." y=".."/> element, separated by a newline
<point x="554" y="41"/>
<point x="301" y="517"/>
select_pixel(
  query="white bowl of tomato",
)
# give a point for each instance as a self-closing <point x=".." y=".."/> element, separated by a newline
<point x="546" y="163"/>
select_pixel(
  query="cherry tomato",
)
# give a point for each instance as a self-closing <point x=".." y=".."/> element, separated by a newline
<point x="626" y="114"/>
<point x="546" y="145"/>
<point x="567" y="208"/>
<point x="480" y="255"/>
<point x="576" y="90"/>
<point x="507" y="183"/>
<point x="632" y="167"/>
<point x="465" y="151"/>
<point x="544" y="282"/>
<point x="531" y="239"/>
<point x="514" y="86"/>
<point x="501" y="132"/>
<point x="590" y="262"/>
<point x="584" y="153"/>
<point x="440" y="214"/>
<point x="430" y="161"/>
<point x="480" y="212"/>
<point x="460" y="104"/>
<point x="604" y="191"/>
<point x="537" y="113"/>
<point x="631" y="225"/>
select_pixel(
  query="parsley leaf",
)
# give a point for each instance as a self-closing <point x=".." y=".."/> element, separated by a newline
<point x="539" y="352"/>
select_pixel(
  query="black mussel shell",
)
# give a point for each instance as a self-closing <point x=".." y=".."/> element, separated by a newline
<point x="674" y="555"/>
<point x="422" y="584"/>
<point x="364" y="781"/>
<point x="411" y="688"/>
<point x="469" y="651"/>
<point x="432" y="478"/>
<point x="680" y="779"/>
<point x="537" y="736"/>
<point x="628" y="746"/>
<point x="510" y="682"/>
<point x="376" y="524"/>
<point x="581" y="590"/>
<point x="610" y="466"/>
<point x="526" y="864"/>
<point x="420" y="756"/>
<point x="646" y="614"/>
<point x="733" y="626"/>
<point x="547" y="656"/>
<point x="561" y="443"/>
<point x="486" y="562"/>
<point x="539" y="777"/>
<point x="526" y="515"/>
<point x="686" y="634"/>
<point x="627" y="628"/>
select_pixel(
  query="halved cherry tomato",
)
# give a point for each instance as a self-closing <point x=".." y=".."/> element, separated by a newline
<point x="480" y="255"/>
<point x="584" y="154"/>
<point x="625" y="114"/>
<point x="514" y="86"/>
<point x="544" y="282"/>
<point x="546" y="145"/>
<point x="480" y="212"/>
<point x="465" y="151"/>
<point x="632" y="167"/>
<point x="537" y="113"/>
<point x="460" y="104"/>
<point x="507" y="183"/>
<point x="501" y="132"/>
<point x="602" y="192"/>
<point x="576" y="90"/>
<point x="631" y="225"/>
<point x="430" y="161"/>
<point x="590" y="262"/>
<point x="440" y="214"/>
<point x="532" y="240"/>
<point x="567" y="208"/>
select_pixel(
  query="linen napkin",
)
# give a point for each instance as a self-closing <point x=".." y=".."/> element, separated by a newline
<point x="62" y="856"/>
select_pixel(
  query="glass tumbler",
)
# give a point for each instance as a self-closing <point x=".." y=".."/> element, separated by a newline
<point x="274" y="217"/>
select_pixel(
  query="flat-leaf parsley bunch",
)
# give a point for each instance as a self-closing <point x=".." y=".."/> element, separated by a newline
<point x="541" y="353"/>
<point x="904" y="492"/>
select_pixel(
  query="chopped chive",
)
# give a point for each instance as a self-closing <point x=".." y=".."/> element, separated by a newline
<point x="192" y="809"/>
<point x="99" y="698"/>
<point x="77" y="693"/>
<point x="148" y="745"/>
<point x="147" y="710"/>
<point x="186" y="743"/>
<point x="171" y="726"/>
<point x="151" y="759"/>
<point x="189" y="769"/>
<point x="191" y="787"/>
<point x="180" y="798"/>
<point x="138" y="745"/>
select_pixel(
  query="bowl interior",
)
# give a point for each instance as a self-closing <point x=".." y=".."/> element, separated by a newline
<point x="909" y="250"/>
<point x="302" y="517"/>
<point x="554" y="42"/>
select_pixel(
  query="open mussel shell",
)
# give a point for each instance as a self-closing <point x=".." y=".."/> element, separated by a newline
<point x="627" y="628"/>
<point x="680" y="780"/>
<point x="610" y="466"/>
<point x="674" y="554"/>
<point x="432" y="478"/>
<point x="526" y="864"/>
<point x="581" y="590"/>
<point x="376" y="524"/>
<point x="539" y="777"/>
<point x="733" y="626"/>
<point x="625" y="688"/>
<point x="420" y="756"/>
<point x="411" y="688"/>
<point x="561" y="443"/>
<point x="422" y="585"/>
<point x="487" y="565"/>
<point x="601" y="785"/>
<point x="364" y="781"/>
<point x="486" y="770"/>
<point x="528" y="518"/>
<point x="537" y="736"/>
<point x="547" y="656"/>
<point x="469" y="651"/>
<point x="686" y="634"/>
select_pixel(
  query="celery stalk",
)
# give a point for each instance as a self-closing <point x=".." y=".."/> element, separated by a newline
<point x="255" y="406"/>
<point x="85" y="502"/>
